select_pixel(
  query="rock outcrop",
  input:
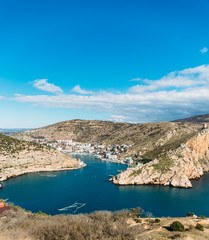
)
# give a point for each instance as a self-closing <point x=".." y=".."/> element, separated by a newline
<point x="39" y="161"/>
<point x="175" y="167"/>
<point x="1" y="186"/>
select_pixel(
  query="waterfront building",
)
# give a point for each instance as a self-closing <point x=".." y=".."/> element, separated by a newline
<point x="129" y="161"/>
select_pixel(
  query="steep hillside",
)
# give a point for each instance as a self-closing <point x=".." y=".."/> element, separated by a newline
<point x="146" y="136"/>
<point x="176" y="166"/>
<point x="18" y="157"/>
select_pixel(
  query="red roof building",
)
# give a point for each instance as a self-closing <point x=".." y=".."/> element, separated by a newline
<point x="1" y="204"/>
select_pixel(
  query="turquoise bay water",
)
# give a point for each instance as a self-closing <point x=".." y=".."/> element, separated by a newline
<point x="49" y="192"/>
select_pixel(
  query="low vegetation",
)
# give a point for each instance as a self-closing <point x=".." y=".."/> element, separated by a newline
<point x="164" y="164"/>
<point x="189" y="214"/>
<point x="177" y="226"/>
<point x="10" y="145"/>
<point x="129" y="224"/>
<point x="97" y="225"/>
<point x="157" y="220"/>
<point x="199" y="227"/>
<point x="160" y="151"/>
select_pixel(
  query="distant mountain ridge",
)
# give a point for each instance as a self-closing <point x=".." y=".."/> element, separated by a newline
<point x="197" y="120"/>
<point x="110" y="132"/>
<point x="11" y="131"/>
<point x="14" y="129"/>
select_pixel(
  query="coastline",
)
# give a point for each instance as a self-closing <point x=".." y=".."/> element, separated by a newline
<point x="100" y="158"/>
<point x="6" y="176"/>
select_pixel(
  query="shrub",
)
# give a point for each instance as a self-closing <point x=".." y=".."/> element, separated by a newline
<point x="137" y="220"/>
<point x="202" y="217"/>
<point x="40" y="213"/>
<point x="136" y="212"/>
<point x="199" y="227"/>
<point x="177" y="226"/>
<point x="157" y="220"/>
<point x="189" y="214"/>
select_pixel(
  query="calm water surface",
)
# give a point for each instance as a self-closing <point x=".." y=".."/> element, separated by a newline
<point x="49" y="192"/>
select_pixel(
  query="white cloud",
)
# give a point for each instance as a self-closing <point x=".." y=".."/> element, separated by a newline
<point x="191" y="77"/>
<point x="42" y="84"/>
<point x="77" y="89"/>
<point x="204" y="50"/>
<point x="176" y="95"/>
<point x="118" y="118"/>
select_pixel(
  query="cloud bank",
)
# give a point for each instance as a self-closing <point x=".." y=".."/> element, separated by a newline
<point x="176" y="95"/>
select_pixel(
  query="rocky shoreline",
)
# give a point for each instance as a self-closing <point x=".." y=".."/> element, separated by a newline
<point x="5" y="177"/>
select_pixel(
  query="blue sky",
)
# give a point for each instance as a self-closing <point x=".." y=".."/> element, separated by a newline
<point x="133" y="60"/>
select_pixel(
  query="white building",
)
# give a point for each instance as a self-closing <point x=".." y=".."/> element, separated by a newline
<point x="85" y="145"/>
<point x="113" y="157"/>
<point x="129" y="161"/>
<point x="59" y="149"/>
<point x="64" y="141"/>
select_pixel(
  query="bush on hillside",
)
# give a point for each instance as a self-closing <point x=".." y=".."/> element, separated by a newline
<point x="189" y="214"/>
<point x="157" y="220"/>
<point x="177" y="226"/>
<point x="199" y="227"/>
<point x="136" y="212"/>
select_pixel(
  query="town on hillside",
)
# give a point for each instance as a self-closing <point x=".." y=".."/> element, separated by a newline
<point x="105" y="152"/>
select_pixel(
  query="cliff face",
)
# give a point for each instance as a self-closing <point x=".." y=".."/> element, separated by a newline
<point x="175" y="167"/>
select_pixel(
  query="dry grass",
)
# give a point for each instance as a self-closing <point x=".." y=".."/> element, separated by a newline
<point x="102" y="225"/>
<point x="98" y="225"/>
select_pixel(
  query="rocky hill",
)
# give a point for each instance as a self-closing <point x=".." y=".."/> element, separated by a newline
<point x="145" y="136"/>
<point x="174" y="167"/>
<point x="19" y="157"/>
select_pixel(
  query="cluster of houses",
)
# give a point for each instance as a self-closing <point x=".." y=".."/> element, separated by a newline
<point x="107" y="152"/>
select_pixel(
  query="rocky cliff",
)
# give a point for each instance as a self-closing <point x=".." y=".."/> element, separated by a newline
<point x="175" y="167"/>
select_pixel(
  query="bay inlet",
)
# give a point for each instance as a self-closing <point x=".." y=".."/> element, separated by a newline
<point x="52" y="191"/>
